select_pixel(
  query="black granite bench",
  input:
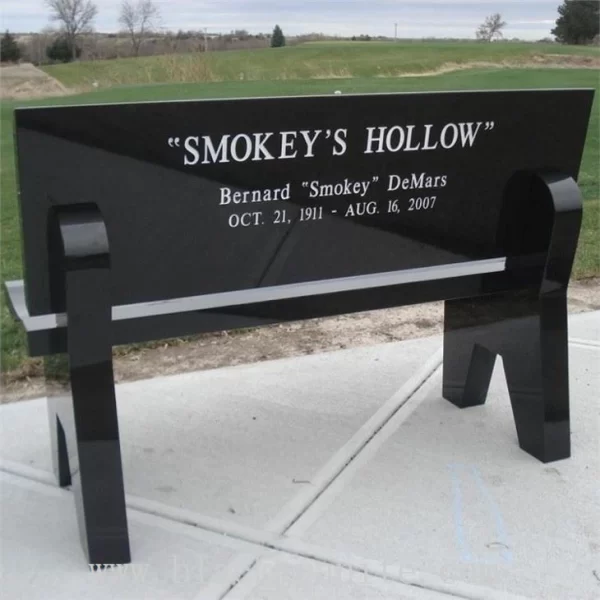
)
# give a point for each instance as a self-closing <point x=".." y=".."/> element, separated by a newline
<point x="156" y="220"/>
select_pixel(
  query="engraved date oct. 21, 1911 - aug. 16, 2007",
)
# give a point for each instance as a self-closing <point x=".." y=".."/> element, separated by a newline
<point x="412" y="192"/>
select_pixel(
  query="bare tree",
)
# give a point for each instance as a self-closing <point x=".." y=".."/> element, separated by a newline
<point x="491" y="28"/>
<point x="75" y="17"/>
<point x="138" y="19"/>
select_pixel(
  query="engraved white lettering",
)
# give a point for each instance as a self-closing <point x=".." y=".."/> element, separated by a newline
<point x="195" y="155"/>
<point x="339" y="138"/>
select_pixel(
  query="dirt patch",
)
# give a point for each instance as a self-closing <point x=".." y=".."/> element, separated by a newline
<point x="548" y="61"/>
<point x="573" y="61"/>
<point x="24" y="81"/>
<point x="280" y="341"/>
<point x="449" y="67"/>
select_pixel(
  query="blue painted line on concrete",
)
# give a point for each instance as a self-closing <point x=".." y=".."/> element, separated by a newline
<point x="459" y="529"/>
<point x="501" y="534"/>
<point x="501" y="537"/>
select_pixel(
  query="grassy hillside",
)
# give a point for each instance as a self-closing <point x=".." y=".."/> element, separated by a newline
<point x="588" y="259"/>
<point x="319" y="61"/>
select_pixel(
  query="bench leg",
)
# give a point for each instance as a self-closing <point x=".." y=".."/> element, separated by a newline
<point x="468" y="364"/>
<point x="98" y="488"/>
<point x="537" y="373"/>
<point x="86" y="454"/>
<point x="89" y="427"/>
<point x="60" y="418"/>
<point x="530" y="333"/>
<point x="60" y="454"/>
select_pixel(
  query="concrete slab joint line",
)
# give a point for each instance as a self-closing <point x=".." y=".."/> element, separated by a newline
<point x="248" y="578"/>
<point x="587" y="344"/>
<point x="412" y="582"/>
<point x="243" y="564"/>
<point x="221" y="586"/>
<point x="291" y="515"/>
<point x="355" y="445"/>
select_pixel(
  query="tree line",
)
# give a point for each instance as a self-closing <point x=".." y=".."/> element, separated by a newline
<point x="139" y="21"/>
<point x="578" y="23"/>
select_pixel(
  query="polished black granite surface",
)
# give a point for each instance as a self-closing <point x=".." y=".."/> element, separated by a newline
<point x="212" y="196"/>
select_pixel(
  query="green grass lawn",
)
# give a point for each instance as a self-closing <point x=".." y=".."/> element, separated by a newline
<point x="13" y="355"/>
<point x="308" y="61"/>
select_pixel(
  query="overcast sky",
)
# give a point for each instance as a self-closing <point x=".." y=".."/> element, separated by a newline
<point x="526" y="19"/>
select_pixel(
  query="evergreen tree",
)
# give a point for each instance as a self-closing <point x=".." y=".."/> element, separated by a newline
<point x="579" y="21"/>
<point x="9" y="49"/>
<point x="75" y="18"/>
<point x="60" y="50"/>
<point x="277" y="39"/>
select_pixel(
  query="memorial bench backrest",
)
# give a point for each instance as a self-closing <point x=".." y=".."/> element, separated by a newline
<point x="213" y="197"/>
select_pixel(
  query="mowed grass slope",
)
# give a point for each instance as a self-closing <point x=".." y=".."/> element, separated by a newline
<point x="588" y="259"/>
<point x="318" y="60"/>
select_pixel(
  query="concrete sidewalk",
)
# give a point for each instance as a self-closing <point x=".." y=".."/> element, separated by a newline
<point x="339" y="475"/>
